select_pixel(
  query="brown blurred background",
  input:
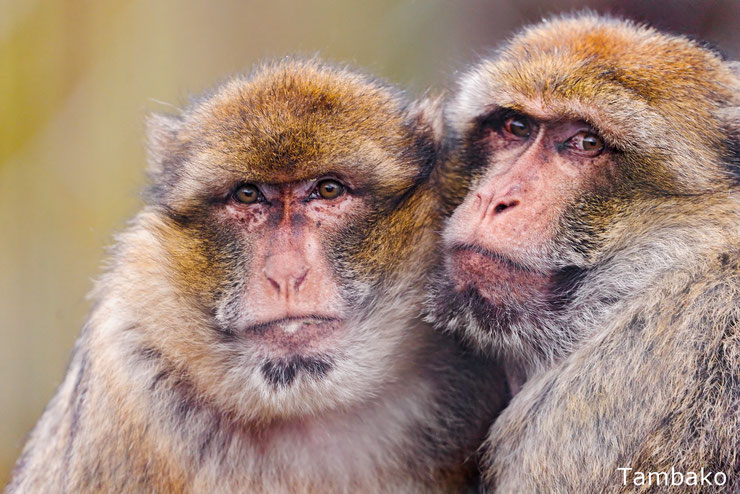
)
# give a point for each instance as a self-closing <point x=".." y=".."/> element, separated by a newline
<point x="77" y="77"/>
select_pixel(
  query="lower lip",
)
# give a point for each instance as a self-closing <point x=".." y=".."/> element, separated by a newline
<point x="493" y="278"/>
<point x="469" y="266"/>
<point x="300" y="336"/>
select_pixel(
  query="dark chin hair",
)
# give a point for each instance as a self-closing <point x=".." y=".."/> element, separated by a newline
<point x="284" y="371"/>
<point x="467" y="313"/>
<point x="512" y="327"/>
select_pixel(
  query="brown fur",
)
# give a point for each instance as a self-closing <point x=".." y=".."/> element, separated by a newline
<point x="640" y="362"/>
<point x="162" y="395"/>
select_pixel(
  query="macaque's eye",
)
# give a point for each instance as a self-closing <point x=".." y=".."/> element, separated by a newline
<point x="328" y="189"/>
<point x="248" y="194"/>
<point x="586" y="143"/>
<point x="519" y="126"/>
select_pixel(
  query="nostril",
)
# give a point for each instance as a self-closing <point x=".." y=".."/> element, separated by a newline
<point x="500" y="207"/>
<point x="282" y="277"/>
<point x="274" y="284"/>
<point x="299" y="280"/>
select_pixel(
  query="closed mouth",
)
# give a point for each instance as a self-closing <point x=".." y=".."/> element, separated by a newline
<point x="295" y="335"/>
<point x="294" y="322"/>
<point x="493" y="256"/>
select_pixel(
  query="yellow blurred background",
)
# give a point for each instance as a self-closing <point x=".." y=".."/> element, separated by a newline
<point x="77" y="78"/>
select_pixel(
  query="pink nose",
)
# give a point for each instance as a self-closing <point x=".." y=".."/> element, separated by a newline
<point x="489" y="205"/>
<point x="285" y="274"/>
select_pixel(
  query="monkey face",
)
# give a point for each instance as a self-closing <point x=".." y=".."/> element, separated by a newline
<point x="535" y="170"/>
<point x="291" y="215"/>
<point x="507" y="261"/>
<point x="568" y="145"/>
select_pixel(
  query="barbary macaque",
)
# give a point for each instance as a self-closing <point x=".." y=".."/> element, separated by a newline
<point x="596" y="250"/>
<point x="257" y="329"/>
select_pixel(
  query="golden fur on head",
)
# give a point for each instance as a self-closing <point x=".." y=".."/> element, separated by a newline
<point x="288" y="119"/>
<point x="648" y="93"/>
<point x="292" y="120"/>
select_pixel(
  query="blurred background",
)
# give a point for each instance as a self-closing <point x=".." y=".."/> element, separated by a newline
<point x="77" y="78"/>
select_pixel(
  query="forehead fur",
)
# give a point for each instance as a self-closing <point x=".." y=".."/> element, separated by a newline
<point x="643" y="90"/>
<point x="297" y="119"/>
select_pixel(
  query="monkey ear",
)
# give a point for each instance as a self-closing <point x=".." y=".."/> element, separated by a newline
<point x="162" y="141"/>
<point x="735" y="67"/>
<point x="731" y="115"/>
<point x="426" y="123"/>
<point x="731" y="118"/>
<point x="426" y="116"/>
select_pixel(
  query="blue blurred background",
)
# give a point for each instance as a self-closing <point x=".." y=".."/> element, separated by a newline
<point x="77" y="77"/>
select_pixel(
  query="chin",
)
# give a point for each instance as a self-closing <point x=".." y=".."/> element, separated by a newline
<point x="477" y="298"/>
<point x="282" y="372"/>
<point x="500" y="281"/>
<point x="289" y="373"/>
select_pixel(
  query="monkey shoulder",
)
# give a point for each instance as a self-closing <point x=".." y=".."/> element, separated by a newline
<point x="658" y="386"/>
<point x="89" y="438"/>
<point x="690" y="415"/>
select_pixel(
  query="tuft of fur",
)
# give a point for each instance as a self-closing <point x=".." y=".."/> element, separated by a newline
<point x="638" y="363"/>
<point x="162" y="395"/>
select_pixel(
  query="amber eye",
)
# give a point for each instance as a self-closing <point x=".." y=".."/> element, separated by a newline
<point x="518" y="126"/>
<point x="587" y="143"/>
<point x="247" y="194"/>
<point x="591" y="142"/>
<point x="329" y="189"/>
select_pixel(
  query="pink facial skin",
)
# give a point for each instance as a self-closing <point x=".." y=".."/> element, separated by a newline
<point x="536" y="169"/>
<point x="292" y="302"/>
